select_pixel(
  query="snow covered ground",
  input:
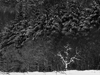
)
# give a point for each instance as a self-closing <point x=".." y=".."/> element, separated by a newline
<point x="92" y="72"/>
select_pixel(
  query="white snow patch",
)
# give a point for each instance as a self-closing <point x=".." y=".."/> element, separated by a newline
<point x="74" y="72"/>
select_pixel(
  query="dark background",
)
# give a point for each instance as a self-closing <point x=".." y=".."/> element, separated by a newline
<point x="41" y="54"/>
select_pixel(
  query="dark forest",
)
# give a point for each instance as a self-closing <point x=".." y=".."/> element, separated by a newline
<point x="49" y="35"/>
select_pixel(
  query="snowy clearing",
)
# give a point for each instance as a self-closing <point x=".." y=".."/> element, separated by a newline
<point x="92" y="72"/>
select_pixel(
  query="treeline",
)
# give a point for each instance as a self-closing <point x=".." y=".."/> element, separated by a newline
<point x="40" y="30"/>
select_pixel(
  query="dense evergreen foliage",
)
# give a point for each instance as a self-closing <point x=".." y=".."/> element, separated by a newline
<point x="48" y="35"/>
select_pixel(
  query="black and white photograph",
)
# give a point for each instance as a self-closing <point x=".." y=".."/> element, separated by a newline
<point x="49" y="37"/>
